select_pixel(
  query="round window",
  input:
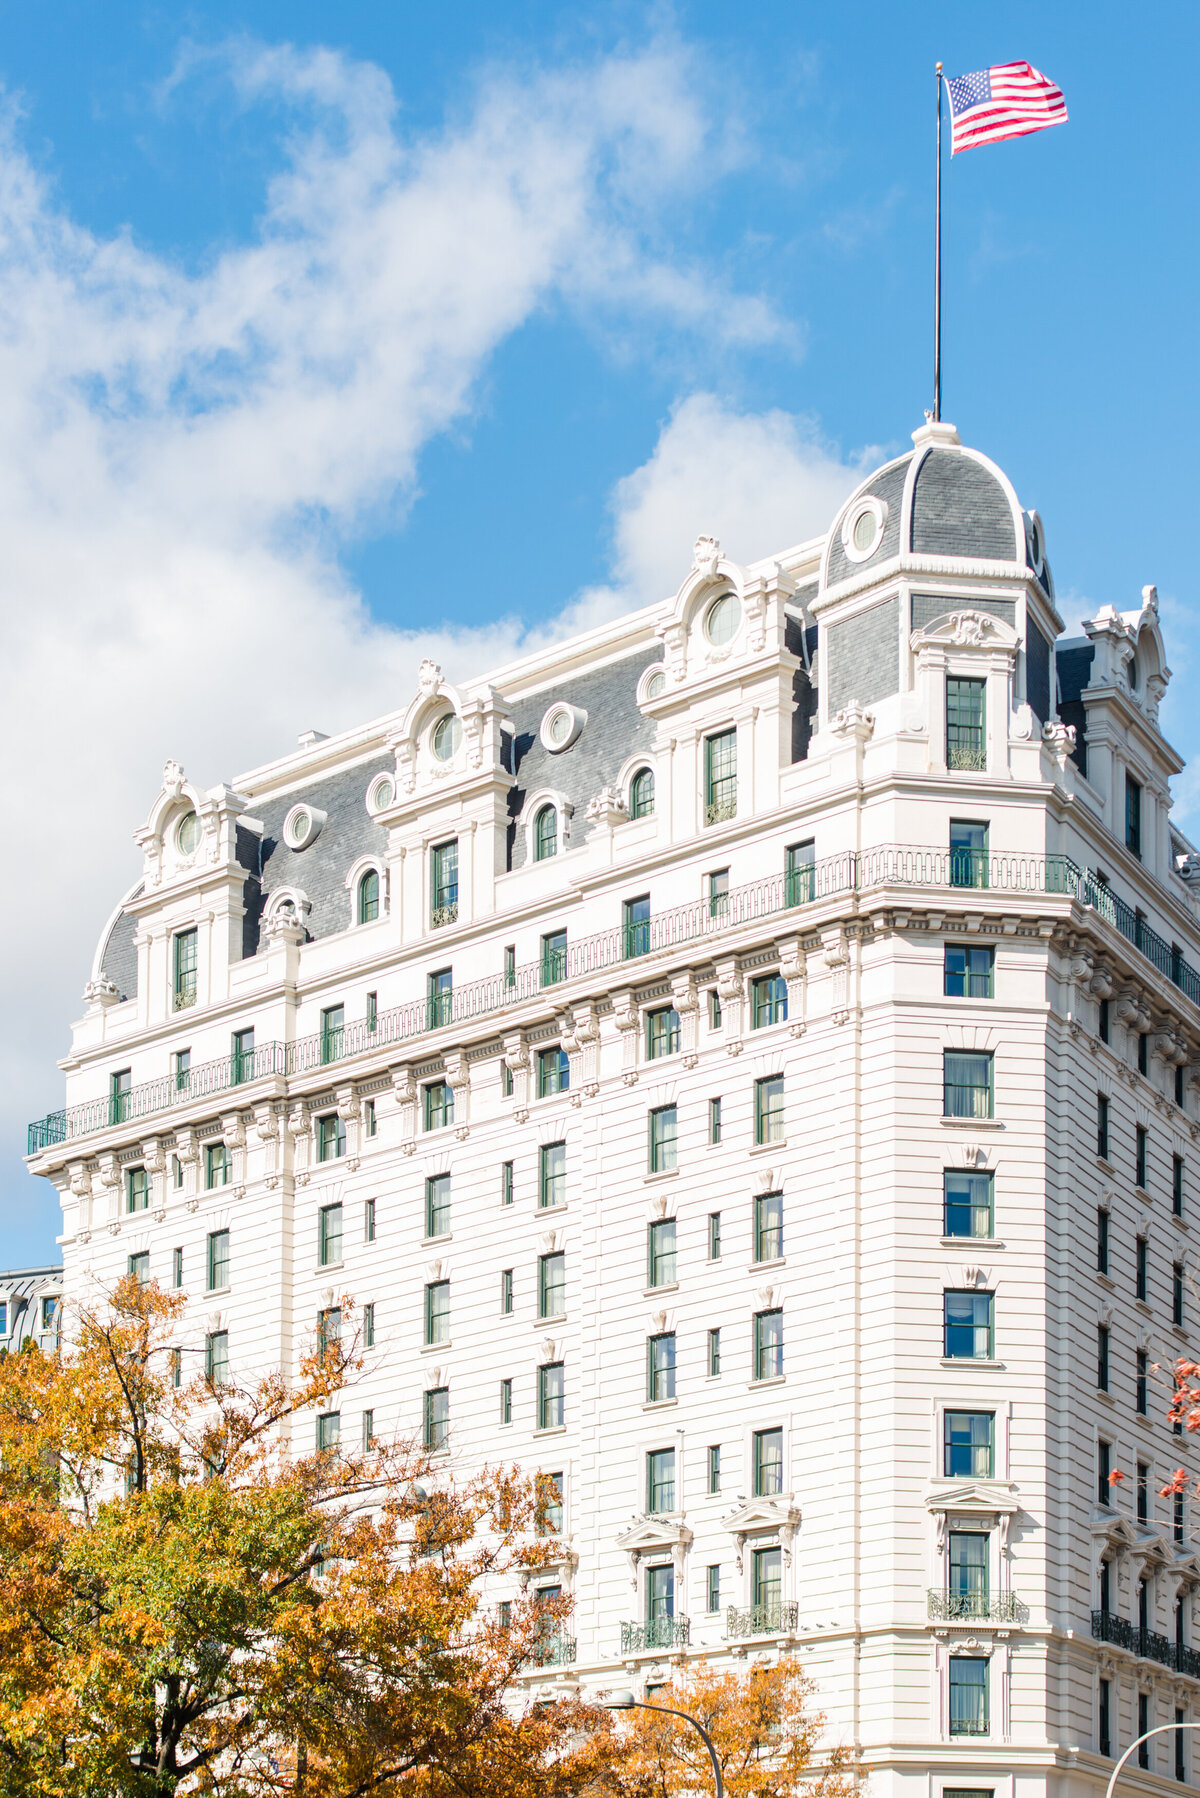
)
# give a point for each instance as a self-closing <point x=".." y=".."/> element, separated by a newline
<point x="560" y="727"/>
<point x="721" y="623"/>
<point x="656" y="686"/>
<point x="866" y="530"/>
<point x="382" y="794"/>
<point x="298" y="827"/>
<point x="187" y="834"/>
<point x="447" y="736"/>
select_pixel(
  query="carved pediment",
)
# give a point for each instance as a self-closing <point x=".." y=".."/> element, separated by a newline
<point x="993" y="1497"/>
<point x="762" y="1514"/>
<point x="965" y="628"/>
<point x="646" y="1535"/>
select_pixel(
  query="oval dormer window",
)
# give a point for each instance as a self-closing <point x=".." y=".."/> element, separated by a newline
<point x="865" y="531"/>
<point x="656" y="686"/>
<point x="862" y="527"/>
<point x="382" y="794"/>
<point x="187" y="834"/>
<point x="721" y="620"/>
<point x="447" y="735"/>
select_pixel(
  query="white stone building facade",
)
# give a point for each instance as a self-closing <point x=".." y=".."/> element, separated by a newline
<point x="743" y="1062"/>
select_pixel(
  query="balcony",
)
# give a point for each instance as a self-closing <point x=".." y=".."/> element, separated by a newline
<point x="555" y="1651"/>
<point x="1147" y="1643"/>
<point x="977" y="1607"/>
<point x="775" y="897"/>
<point x="966" y="758"/>
<point x="775" y="1619"/>
<point x="441" y="915"/>
<point x="659" y="1632"/>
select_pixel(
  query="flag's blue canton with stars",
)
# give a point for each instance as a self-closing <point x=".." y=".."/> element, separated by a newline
<point x="1010" y="99"/>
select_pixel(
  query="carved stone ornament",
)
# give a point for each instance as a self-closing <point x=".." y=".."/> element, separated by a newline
<point x="854" y="721"/>
<point x="429" y="677"/>
<point x="973" y="629"/>
<point x="1059" y="739"/>
<point x="706" y="553"/>
<point x="102" y="992"/>
<point x="173" y="778"/>
<point x="608" y="807"/>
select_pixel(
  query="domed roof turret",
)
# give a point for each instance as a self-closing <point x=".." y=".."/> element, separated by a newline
<point x="938" y="501"/>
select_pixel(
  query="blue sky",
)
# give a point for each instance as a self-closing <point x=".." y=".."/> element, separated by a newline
<point x="332" y="337"/>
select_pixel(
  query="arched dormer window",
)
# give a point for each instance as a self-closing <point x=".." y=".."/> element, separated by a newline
<point x="368" y="897"/>
<point x="641" y="794"/>
<point x="545" y="834"/>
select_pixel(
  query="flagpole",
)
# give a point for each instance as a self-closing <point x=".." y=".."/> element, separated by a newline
<point x="937" y="266"/>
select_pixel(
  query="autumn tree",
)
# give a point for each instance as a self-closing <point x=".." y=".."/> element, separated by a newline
<point x="763" y="1727"/>
<point x="191" y="1604"/>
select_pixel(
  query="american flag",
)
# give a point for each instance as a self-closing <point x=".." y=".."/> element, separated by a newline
<point x="1010" y="99"/>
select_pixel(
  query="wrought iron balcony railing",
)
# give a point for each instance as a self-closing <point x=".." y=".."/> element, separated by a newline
<point x="761" y="1619"/>
<point x="659" y="1632"/>
<point x="775" y="896"/>
<point x="1108" y="1627"/>
<point x="554" y="1651"/>
<point x="995" y="1607"/>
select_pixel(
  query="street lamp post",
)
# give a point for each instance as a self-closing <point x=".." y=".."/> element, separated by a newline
<point x="624" y="1700"/>
<point x="1158" y="1730"/>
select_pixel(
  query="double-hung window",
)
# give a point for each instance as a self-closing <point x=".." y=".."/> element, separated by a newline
<point x="966" y="727"/>
<point x="139" y="1266"/>
<point x="242" y="1057"/>
<point x="768" y="1109"/>
<point x="799" y="874"/>
<point x="553" y="1072"/>
<point x="1103" y="1363"/>
<point x="1102" y="1125"/>
<point x="368" y="897"/>
<point x="967" y="1084"/>
<point x="439" y="998"/>
<point x="216" y="1357"/>
<point x="437" y="1418"/>
<point x="554" y="957"/>
<point x="1177" y="1292"/>
<point x="437" y="1205"/>
<point x="969" y="1445"/>
<point x="218" y="1165"/>
<point x="967" y="1326"/>
<point x="1139" y="1157"/>
<point x="552" y="1399"/>
<point x="967" y="1200"/>
<point x="438" y="1101"/>
<point x="967" y="1573"/>
<point x="720" y="777"/>
<point x="1177" y="1185"/>
<point x="1140" y="1267"/>
<point x="660" y="1480"/>
<point x="329" y="1236"/>
<point x="662" y="1033"/>
<point x="333" y="1033"/>
<point x="968" y="1680"/>
<point x="545" y="834"/>
<point x="329" y="1432"/>
<point x="768" y="1463"/>
<point x="768" y="1226"/>
<point x="660" y="1253"/>
<point x="181" y="1067"/>
<point x="968" y="971"/>
<point x="443" y="884"/>
<point x="968" y="853"/>
<point x="635" y="926"/>
<point x="768" y="1344"/>
<point x="218" y="1260"/>
<point x="552" y="1285"/>
<point x="184" y="965"/>
<point x="660" y="1367"/>
<point x="663" y="1124"/>
<point x="641" y="794"/>
<point x="437" y="1311"/>
<point x="768" y="1001"/>
<point x="137" y="1189"/>
<point x="718" y="893"/>
<point x="331" y="1136"/>
<point x="552" y="1175"/>
<point x="120" y="1096"/>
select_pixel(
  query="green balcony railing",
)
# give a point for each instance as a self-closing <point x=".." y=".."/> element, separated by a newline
<point x="996" y="1607"/>
<point x="554" y="1650"/>
<point x="777" y="1618"/>
<point x="658" y="1632"/>
<point x="776" y="895"/>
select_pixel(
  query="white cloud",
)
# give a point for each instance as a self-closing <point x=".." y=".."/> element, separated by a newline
<point x="178" y="450"/>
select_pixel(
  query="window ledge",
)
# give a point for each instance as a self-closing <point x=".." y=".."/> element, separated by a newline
<point x="1143" y="1305"/>
<point x="1106" y="1396"/>
<point x="1106" y="1280"/>
<point x="777" y="1379"/>
<point x="668" y="1173"/>
<point x="1105" y="1163"/>
<point x="545" y="1210"/>
<point x="329" y="1267"/>
<point x="971" y="1242"/>
<point x="972" y="1123"/>
<point x="428" y="1241"/>
<point x="756" y="1267"/>
<point x="213" y="1292"/>
<point x="652" y="1292"/>
<point x="659" y="1404"/>
<point x="1180" y="1330"/>
<point x="433" y="1348"/>
<point x="552" y="1317"/>
<point x="972" y="1361"/>
<point x="551" y="1429"/>
<point x="764" y="1148"/>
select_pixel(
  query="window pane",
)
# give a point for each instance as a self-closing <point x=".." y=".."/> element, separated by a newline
<point x="968" y="972"/>
<point x="662" y="1033"/>
<point x="720" y="777"/>
<point x="641" y="794"/>
<point x="768" y="1227"/>
<point x="218" y="1260"/>
<point x="967" y="1085"/>
<point x="968" y="1325"/>
<point x="661" y="1268"/>
<point x="661" y="1367"/>
<point x="545" y="834"/>
<point x="768" y="1345"/>
<point x="969" y="1437"/>
<point x="968" y="854"/>
<point x="437" y="1205"/>
<point x="966" y="744"/>
<point x="444" y="884"/>
<point x="660" y="1480"/>
<point x="769" y="1001"/>
<point x="800" y="874"/>
<point x="635" y="924"/>
<point x="437" y="1417"/>
<point x="552" y="1174"/>
<point x="437" y="1311"/>
<point x="554" y="957"/>
<point x="662" y="1139"/>
<point x="552" y="1285"/>
<point x="768" y="1463"/>
<point x="768" y="1109"/>
<point x="968" y="1204"/>
<point x="439" y="1106"/>
<point x="553" y="1072"/>
<point x="368" y="897"/>
<point x="767" y="1587"/>
<point x="968" y="1696"/>
<point x="330" y="1235"/>
<point x="551" y="1397"/>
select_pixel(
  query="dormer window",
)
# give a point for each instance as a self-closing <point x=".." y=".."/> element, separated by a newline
<point x="447" y="735"/>
<point x="368" y="897"/>
<point x="187" y="834"/>
<point x="641" y="794"/>
<point x="545" y="834"/>
<point x="722" y="619"/>
<point x="184" y="951"/>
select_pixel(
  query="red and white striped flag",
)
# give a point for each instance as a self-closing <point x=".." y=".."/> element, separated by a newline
<point x="1010" y="99"/>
